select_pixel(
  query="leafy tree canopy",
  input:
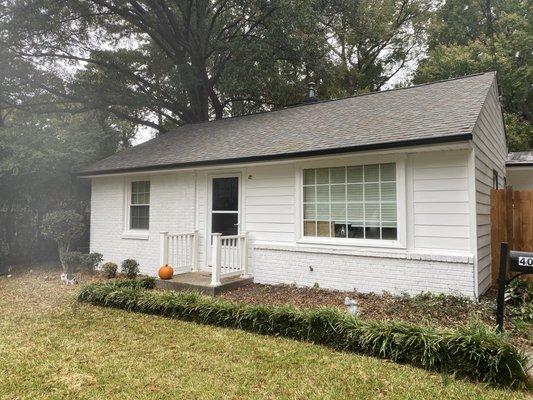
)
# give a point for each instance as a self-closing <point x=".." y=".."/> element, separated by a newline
<point x="470" y="36"/>
<point x="166" y="63"/>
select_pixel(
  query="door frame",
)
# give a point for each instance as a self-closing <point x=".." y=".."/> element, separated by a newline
<point x="210" y="177"/>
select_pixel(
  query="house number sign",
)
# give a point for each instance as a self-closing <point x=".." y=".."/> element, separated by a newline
<point x="525" y="261"/>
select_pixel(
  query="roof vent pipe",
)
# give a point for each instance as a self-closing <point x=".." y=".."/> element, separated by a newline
<point x="311" y="97"/>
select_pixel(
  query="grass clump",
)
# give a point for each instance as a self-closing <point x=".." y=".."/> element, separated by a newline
<point x="473" y="351"/>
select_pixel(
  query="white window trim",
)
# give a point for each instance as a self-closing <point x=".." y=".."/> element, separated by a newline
<point x="399" y="243"/>
<point x="127" y="233"/>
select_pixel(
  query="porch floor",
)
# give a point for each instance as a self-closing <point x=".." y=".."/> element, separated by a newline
<point x="199" y="282"/>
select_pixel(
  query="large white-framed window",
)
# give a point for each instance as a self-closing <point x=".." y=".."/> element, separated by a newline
<point x="351" y="203"/>
<point x="138" y="205"/>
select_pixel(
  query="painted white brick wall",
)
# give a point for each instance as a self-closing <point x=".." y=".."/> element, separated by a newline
<point x="364" y="274"/>
<point x="171" y="209"/>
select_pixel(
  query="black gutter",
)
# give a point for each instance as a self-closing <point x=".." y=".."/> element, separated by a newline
<point x="339" y="150"/>
<point x="524" y="164"/>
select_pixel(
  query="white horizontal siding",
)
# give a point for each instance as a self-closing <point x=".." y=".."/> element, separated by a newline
<point x="270" y="218"/>
<point x="441" y="208"/>
<point x="266" y="192"/>
<point x="490" y="151"/>
<point x="269" y="198"/>
<point x="440" y="231"/>
<point x="440" y="201"/>
<point x="441" y="184"/>
<point x="441" y="220"/>
<point x="446" y="196"/>
<point x="440" y="172"/>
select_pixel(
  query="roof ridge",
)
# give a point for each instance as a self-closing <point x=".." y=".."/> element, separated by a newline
<point x="176" y="130"/>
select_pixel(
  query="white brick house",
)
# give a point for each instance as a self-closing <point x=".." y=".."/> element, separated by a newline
<point x="386" y="191"/>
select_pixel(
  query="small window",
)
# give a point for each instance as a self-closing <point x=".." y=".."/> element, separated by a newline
<point x="354" y="202"/>
<point x="140" y="205"/>
<point x="495" y="184"/>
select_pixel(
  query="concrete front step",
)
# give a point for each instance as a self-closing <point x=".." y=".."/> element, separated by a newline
<point x="199" y="282"/>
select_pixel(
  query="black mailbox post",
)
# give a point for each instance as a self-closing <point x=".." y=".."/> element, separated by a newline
<point x="519" y="261"/>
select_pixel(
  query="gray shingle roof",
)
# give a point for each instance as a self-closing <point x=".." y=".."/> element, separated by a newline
<point x="435" y="112"/>
<point x="520" y="158"/>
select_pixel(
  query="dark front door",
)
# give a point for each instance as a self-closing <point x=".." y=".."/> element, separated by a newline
<point x="225" y="206"/>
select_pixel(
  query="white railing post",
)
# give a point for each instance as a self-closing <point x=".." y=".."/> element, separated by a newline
<point x="244" y="255"/>
<point x="215" y="259"/>
<point x="194" y="250"/>
<point x="163" y="248"/>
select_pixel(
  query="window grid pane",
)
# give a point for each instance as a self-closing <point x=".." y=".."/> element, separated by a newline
<point x="351" y="202"/>
<point x="139" y="217"/>
<point x="140" y="205"/>
<point x="140" y="192"/>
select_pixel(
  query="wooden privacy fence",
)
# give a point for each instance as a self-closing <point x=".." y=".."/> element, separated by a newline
<point x="511" y="217"/>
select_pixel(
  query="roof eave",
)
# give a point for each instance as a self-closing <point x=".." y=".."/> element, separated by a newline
<point x="522" y="164"/>
<point x="310" y="153"/>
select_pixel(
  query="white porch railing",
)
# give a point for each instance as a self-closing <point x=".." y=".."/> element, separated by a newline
<point x="229" y="257"/>
<point x="180" y="250"/>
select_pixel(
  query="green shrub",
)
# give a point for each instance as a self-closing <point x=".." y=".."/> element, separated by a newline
<point x="91" y="261"/>
<point x="148" y="282"/>
<point x="109" y="269"/>
<point x="74" y="260"/>
<point x="130" y="268"/>
<point x="519" y="300"/>
<point x="71" y="260"/>
<point x="63" y="227"/>
<point x="4" y="250"/>
<point x="136" y="284"/>
<point x="473" y="351"/>
<point x="518" y="292"/>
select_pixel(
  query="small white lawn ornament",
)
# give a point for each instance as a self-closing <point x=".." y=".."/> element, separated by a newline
<point x="68" y="280"/>
<point x="351" y="306"/>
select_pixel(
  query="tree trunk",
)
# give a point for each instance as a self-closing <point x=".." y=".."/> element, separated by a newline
<point x="62" y="249"/>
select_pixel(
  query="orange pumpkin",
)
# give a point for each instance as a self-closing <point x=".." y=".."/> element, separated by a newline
<point x="166" y="272"/>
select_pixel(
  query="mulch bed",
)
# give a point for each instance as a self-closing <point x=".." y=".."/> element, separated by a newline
<point x="424" y="309"/>
<point x="445" y="311"/>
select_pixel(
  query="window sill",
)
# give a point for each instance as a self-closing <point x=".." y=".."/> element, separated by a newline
<point x="135" y="235"/>
<point x="400" y="253"/>
<point x="387" y="244"/>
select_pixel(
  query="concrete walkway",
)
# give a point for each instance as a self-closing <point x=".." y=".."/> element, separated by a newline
<point x="200" y="282"/>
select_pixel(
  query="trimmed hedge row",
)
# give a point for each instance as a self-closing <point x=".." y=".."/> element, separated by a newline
<point x="473" y="351"/>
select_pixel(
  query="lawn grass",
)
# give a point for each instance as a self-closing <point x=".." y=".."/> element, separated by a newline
<point x="53" y="347"/>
